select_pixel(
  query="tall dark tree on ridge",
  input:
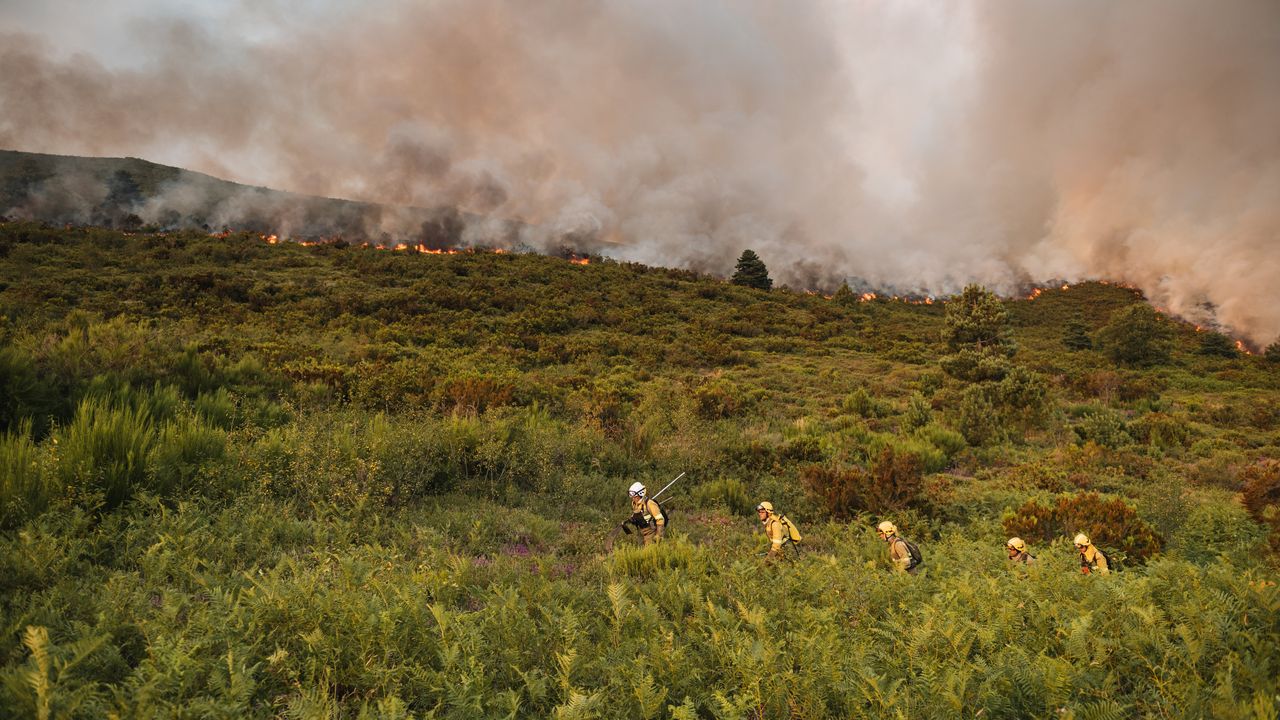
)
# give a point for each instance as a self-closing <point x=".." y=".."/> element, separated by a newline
<point x="751" y="272"/>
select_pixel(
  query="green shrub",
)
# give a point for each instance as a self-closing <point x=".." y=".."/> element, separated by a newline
<point x="1212" y="529"/>
<point x="217" y="408"/>
<point x="21" y="392"/>
<point x="945" y="439"/>
<point x="1105" y="428"/>
<point x="1136" y="335"/>
<point x="25" y="489"/>
<point x="1221" y="469"/>
<point x="1161" y="430"/>
<point x="719" y="398"/>
<point x="864" y="404"/>
<point x="978" y="419"/>
<point x="107" y="448"/>
<point x="919" y="412"/>
<point x="727" y="491"/>
<point x="183" y="448"/>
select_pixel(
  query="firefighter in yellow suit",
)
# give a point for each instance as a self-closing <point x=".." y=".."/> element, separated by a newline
<point x="1091" y="558"/>
<point x="780" y="531"/>
<point x="646" y="514"/>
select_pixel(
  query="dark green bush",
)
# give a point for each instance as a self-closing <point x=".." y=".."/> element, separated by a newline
<point x="107" y="448"/>
<point x="25" y="487"/>
<point x="1105" y="428"/>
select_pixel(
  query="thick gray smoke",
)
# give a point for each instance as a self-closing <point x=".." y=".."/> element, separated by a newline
<point x="919" y="145"/>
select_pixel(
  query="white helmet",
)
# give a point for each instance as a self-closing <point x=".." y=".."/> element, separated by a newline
<point x="887" y="528"/>
<point x="637" y="489"/>
<point x="1081" y="540"/>
<point x="1017" y="544"/>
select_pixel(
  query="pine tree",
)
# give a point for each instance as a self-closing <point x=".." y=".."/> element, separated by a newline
<point x="977" y="333"/>
<point x="977" y="320"/>
<point x="1218" y="345"/>
<point x="1076" y="334"/>
<point x="751" y="272"/>
<point x="1136" y="335"/>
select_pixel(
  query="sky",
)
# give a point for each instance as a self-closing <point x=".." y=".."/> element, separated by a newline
<point x="915" y="145"/>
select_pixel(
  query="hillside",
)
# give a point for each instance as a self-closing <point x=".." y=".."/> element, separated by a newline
<point x="245" y="479"/>
<point x="132" y="194"/>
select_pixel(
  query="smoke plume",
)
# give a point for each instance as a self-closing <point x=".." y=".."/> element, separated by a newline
<point x="911" y="144"/>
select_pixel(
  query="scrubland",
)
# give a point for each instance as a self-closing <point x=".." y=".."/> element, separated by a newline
<point x="250" y="480"/>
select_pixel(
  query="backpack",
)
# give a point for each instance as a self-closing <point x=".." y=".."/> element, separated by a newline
<point x="793" y="533"/>
<point x="637" y="519"/>
<point x="914" y="552"/>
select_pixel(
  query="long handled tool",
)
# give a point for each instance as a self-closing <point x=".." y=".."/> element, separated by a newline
<point x="673" y="482"/>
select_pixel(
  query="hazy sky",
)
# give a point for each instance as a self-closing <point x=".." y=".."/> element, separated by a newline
<point x="916" y="144"/>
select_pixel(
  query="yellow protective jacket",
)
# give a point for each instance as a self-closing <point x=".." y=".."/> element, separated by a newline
<point x="780" y="531"/>
<point x="1091" y="561"/>
<point x="647" y="515"/>
<point x="899" y="554"/>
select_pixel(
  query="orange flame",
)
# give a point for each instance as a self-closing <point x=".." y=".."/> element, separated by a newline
<point x="580" y="261"/>
<point x="867" y="297"/>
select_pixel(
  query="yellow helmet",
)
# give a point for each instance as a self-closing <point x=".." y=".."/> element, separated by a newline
<point x="1017" y="544"/>
<point x="1081" y="539"/>
<point x="887" y="528"/>
<point x="766" y="505"/>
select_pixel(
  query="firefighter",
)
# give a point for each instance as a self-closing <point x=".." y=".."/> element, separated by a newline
<point x="1018" y="552"/>
<point x="1091" y="558"/>
<point x="780" y="531"/>
<point x="646" y="514"/>
<point x="905" y="556"/>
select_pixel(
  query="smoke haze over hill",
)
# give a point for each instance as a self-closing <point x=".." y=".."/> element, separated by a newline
<point x="919" y="145"/>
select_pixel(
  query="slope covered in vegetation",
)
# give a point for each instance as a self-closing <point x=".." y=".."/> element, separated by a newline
<point x="255" y="480"/>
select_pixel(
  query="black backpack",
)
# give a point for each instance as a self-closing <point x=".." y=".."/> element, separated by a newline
<point x="916" y="557"/>
<point x="637" y="519"/>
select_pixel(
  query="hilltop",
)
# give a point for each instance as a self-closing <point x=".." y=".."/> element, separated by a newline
<point x="256" y="479"/>
<point x="132" y="194"/>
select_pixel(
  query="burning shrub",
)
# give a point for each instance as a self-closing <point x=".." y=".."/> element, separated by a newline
<point x="1109" y="522"/>
<point x="1261" y="496"/>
